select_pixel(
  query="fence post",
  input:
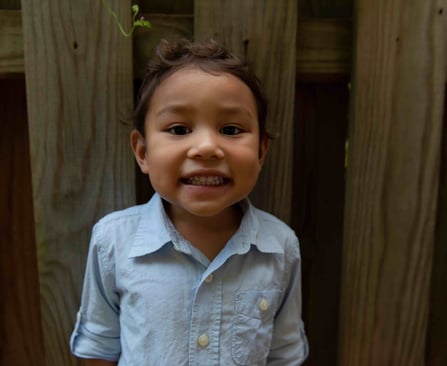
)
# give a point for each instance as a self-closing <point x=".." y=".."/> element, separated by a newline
<point x="79" y="84"/>
<point x="392" y="181"/>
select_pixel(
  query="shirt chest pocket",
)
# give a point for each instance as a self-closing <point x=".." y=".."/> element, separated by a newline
<point x="253" y="325"/>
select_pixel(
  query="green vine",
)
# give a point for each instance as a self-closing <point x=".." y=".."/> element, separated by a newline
<point x="135" y="22"/>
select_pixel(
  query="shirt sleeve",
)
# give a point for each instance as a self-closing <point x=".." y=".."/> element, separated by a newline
<point x="289" y="343"/>
<point x="97" y="331"/>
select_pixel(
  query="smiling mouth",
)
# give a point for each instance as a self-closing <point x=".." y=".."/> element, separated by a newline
<point x="205" y="181"/>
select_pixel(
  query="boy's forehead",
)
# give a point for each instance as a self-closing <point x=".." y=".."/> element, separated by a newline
<point x="190" y="81"/>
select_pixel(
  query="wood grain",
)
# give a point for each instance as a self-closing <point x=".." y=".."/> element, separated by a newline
<point x="11" y="42"/>
<point x="394" y="143"/>
<point x="79" y="85"/>
<point x="21" y="332"/>
<point x="262" y="33"/>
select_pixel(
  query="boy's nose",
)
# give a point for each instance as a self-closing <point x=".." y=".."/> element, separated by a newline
<point x="205" y="145"/>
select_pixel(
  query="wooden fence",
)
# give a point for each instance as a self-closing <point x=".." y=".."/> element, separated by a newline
<point x="368" y="213"/>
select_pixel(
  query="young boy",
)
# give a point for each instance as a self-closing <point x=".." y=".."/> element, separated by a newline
<point x="197" y="276"/>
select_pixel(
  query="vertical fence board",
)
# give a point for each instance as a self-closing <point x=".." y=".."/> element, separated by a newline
<point x="437" y="325"/>
<point x="20" y="327"/>
<point x="264" y="33"/>
<point x="392" y="182"/>
<point x="79" y="84"/>
<point x="11" y="43"/>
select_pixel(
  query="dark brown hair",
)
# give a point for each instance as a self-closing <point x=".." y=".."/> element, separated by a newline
<point x="209" y="56"/>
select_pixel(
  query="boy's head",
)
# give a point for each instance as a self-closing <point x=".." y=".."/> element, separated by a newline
<point x="209" y="56"/>
<point x="200" y="129"/>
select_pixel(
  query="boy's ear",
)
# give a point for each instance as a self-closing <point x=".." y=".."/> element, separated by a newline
<point x="264" y="146"/>
<point x="138" y="145"/>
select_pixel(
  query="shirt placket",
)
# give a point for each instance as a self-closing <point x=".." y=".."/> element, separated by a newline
<point x="206" y="321"/>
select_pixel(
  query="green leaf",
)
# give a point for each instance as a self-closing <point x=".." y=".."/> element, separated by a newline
<point x="135" y="23"/>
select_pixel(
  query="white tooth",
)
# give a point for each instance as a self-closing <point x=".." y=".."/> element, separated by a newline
<point x="211" y="180"/>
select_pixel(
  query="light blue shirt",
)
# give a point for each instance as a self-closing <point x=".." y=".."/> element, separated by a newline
<point x="151" y="298"/>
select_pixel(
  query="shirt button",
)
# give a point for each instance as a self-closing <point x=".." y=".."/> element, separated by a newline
<point x="264" y="304"/>
<point x="209" y="279"/>
<point x="203" y="340"/>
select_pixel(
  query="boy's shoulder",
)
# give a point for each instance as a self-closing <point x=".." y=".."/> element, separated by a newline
<point x="128" y="213"/>
<point x="127" y="221"/>
<point x="132" y="213"/>
<point x="117" y="224"/>
<point x="272" y="230"/>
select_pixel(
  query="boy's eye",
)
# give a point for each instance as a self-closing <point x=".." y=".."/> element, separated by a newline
<point x="179" y="130"/>
<point x="230" y="130"/>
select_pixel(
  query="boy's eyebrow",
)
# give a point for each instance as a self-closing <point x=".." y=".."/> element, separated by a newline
<point x="180" y="108"/>
<point x="175" y="108"/>
<point x="237" y="110"/>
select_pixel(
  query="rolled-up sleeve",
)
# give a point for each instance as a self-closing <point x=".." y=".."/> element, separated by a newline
<point x="289" y="343"/>
<point x="97" y="330"/>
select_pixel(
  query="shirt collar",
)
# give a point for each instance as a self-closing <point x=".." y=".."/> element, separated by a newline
<point x="156" y="230"/>
<point x="152" y="232"/>
<point x="252" y="229"/>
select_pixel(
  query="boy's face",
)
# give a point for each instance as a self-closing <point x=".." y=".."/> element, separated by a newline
<point x="202" y="149"/>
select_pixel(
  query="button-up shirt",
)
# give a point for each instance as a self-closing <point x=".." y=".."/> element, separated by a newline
<point x="152" y="298"/>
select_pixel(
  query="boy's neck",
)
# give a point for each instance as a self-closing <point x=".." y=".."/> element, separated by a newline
<point x="208" y="234"/>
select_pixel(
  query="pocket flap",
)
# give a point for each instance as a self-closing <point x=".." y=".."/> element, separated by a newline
<point x="257" y="303"/>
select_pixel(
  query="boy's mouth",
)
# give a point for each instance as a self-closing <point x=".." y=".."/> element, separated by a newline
<point x="205" y="180"/>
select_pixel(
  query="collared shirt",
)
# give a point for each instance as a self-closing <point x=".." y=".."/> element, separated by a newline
<point x="151" y="298"/>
